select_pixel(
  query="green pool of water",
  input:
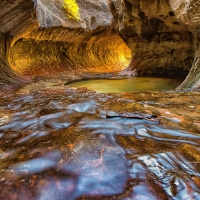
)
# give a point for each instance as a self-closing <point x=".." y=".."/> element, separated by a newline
<point x="127" y="85"/>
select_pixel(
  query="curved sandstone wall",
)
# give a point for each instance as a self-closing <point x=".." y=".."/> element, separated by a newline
<point x="39" y="54"/>
<point x="160" y="43"/>
<point x="61" y="41"/>
<point x="16" y="18"/>
<point x="188" y="11"/>
<point x="44" y="37"/>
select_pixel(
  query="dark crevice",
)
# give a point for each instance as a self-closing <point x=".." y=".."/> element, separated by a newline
<point x="128" y="6"/>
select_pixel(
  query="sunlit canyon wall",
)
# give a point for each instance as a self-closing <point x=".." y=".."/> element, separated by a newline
<point x="82" y="40"/>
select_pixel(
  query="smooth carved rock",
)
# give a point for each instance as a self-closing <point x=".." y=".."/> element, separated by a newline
<point x="16" y="18"/>
<point x="160" y="43"/>
<point x="65" y="44"/>
<point x="57" y="43"/>
<point x="40" y="38"/>
<point x="50" y="13"/>
<point x="189" y="13"/>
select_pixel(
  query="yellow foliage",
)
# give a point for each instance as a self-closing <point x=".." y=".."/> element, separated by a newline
<point x="72" y="9"/>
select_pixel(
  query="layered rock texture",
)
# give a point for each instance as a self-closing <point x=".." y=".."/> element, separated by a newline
<point x="137" y="37"/>
<point x="16" y="18"/>
<point x="63" y="42"/>
<point x="189" y="13"/>
<point x="160" y="44"/>
<point x="41" y="38"/>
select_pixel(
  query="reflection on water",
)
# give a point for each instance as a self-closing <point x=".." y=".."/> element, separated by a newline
<point x="127" y="85"/>
<point x="60" y="145"/>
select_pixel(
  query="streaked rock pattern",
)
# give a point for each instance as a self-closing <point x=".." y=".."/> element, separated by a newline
<point x="189" y="13"/>
<point x="60" y="43"/>
<point x="16" y="17"/>
<point x="161" y="44"/>
<point x="151" y="37"/>
<point x="91" y="52"/>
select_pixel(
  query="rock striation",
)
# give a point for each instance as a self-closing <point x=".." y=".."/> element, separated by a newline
<point x="189" y="13"/>
<point x="61" y="43"/>
<point x="16" y="18"/>
<point x="137" y="37"/>
<point x="160" y="43"/>
<point x="44" y="40"/>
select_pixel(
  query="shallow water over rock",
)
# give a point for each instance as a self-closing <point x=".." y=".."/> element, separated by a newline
<point x="67" y="143"/>
<point x="127" y="85"/>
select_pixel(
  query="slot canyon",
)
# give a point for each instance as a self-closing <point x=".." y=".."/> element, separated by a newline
<point x="59" y="141"/>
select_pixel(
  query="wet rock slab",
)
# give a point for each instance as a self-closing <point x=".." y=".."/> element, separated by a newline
<point x="59" y="142"/>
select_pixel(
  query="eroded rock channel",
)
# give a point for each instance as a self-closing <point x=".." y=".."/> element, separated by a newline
<point x="62" y="142"/>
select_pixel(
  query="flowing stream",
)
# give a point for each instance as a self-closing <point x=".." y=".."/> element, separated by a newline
<point x="58" y="143"/>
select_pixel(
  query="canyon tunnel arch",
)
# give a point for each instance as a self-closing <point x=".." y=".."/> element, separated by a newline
<point x="99" y="51"/>
<point x="148" y="37"/>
